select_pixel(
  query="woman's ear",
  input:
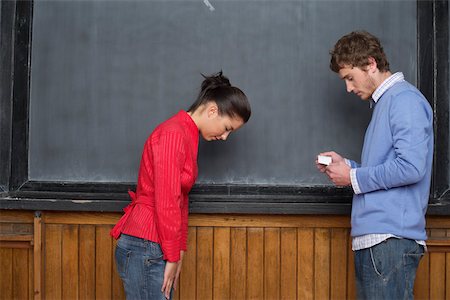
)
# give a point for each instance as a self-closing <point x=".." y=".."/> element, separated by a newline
<point x="212" y="110"/>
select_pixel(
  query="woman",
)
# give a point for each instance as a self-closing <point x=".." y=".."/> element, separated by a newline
<point x="153" y="230"/>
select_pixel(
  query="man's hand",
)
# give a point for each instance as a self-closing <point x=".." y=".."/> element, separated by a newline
<point x="338" y="171"/>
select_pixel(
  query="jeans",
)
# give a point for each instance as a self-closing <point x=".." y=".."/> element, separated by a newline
<point x="141" y="266"/>
<point x="387" y="270"/>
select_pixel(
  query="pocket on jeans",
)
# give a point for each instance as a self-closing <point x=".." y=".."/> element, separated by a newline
<point x="413" y="257"/>
<point x="122" y="260"/>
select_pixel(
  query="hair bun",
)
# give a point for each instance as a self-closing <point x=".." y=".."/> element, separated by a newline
<point x="214" y="81"/>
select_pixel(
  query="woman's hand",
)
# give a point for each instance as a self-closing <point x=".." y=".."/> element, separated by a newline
<point x="170" y="273"/>
<point x="177" y="277"/>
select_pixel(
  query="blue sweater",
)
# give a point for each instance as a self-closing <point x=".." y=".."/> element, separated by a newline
<point x="395" y="173"/>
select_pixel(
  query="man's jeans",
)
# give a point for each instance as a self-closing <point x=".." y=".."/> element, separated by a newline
<point x="387" y="270"/>
<point x="141" y="266"/>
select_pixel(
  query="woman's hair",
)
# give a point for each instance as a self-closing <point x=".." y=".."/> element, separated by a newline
<point x="355" y="48"/>
<point x="230" y="100"/>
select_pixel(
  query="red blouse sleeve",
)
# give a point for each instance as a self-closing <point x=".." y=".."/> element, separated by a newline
<point x="184" y="226"/>
<point x="168" y="159"/>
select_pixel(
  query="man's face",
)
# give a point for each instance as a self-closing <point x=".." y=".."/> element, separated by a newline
<point x="358" y="81"/>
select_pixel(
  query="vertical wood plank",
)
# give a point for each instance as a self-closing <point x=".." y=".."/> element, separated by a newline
<point x="70" y="261"/>
<point x="305" y="270"/>
<point x="221" y="263"/>
<point x="204" y="263"/>
<point x="117" y="293"/>
<point x="87" y="262"/>
<point x="271" y="263"/>
<point x="338" y="271"/>
<point x="351" y="278"/>
<point x="437" y="269"/>
<point x="37" y="258"/>
<point x="255" y="263"/>
<point x="422" y="283"/>
<point x="322" y="263"/>
<point x="6" y="267"/>
<point x="447" y="271"/>
<point x="288" y="276"/>
<point x="103" y="246"/>
<point x="20" y="273"/>
<point x="52" y="268"/>
<point x="238" y="264"/>
<point x="31" y="275"/>
<point x="188" y="282"/>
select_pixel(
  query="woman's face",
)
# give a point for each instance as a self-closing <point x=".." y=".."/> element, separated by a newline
<point x="218" y="127"/>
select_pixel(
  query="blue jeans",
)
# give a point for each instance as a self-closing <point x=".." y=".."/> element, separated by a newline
<point x="141" y="266"/>
<point x="387" y="270"/>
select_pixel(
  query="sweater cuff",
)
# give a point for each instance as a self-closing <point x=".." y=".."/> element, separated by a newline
<point x="347" y="162"/>
<point x="171" y="250"/>
<point x="354" y="181"/>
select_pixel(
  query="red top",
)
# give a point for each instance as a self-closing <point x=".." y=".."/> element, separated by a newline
<point x="159" y="209"/>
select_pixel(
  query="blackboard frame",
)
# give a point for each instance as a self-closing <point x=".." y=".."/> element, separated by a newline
<point x="18" y="192"/>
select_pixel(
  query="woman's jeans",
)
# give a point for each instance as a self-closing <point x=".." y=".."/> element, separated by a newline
<point x="141" y="266"/>
<point x="387" y="270"/>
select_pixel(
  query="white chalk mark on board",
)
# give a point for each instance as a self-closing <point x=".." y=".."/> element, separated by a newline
<point x="209" y="5"/>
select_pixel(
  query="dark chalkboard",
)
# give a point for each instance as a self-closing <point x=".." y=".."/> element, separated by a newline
<point x="105" y="73"/>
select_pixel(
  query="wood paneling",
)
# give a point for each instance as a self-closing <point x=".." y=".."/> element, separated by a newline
<point x="288" y="263"/>
<point x="305" y="263"/>
<point x="204" y="263"/>
<point x="255" y="257"/>
<point x="238" y="263"/>
<point x="272" y="263"/>
<point x="6" y="265"/>
<point x="188" y="279"/>
<point x="53" y="261"/>
<point x="255" y="263"/>
<point x="221" y="274"/>
<point x="87" y="261"/>
<point x="70" y="262"/>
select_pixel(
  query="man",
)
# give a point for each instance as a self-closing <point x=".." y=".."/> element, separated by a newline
<point x="391" y="185"/>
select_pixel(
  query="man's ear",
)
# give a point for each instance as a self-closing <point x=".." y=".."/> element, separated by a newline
<point x="372" y="66"/>
<point x="212" y="110"/>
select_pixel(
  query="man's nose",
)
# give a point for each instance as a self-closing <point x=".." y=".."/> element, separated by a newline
<point x="349" y="87"/>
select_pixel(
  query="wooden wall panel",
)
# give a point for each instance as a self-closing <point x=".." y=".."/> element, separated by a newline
<point x="20" y="273"/>
<point x="351" y="285"/>
<point x="238" y="263"/>
<point x="437" y="264"/>
<point x="204" y="263"/>
<point x="255" y="263"/>
<point x="272" y="263"/>
<point x="6" y="267"/>
<point x="52" y="261"/>
<point x="305" y="262"/>
<point x="259" y="257"/>
<point x="221" y="272"/>
<point x="70" y="262"/>
<point x="447" y="274"/>
<point x="188" y="278"/>
<point x="288" y="263"/>
<point x="117" y="286"/>
<point x="103" y="262"/>
<point x="322" y="263"/>
<point x="338" y="265"/>
<point x="86" y="257"/>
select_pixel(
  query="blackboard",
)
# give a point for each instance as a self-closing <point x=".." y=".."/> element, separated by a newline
<point x="105" y="73"/>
